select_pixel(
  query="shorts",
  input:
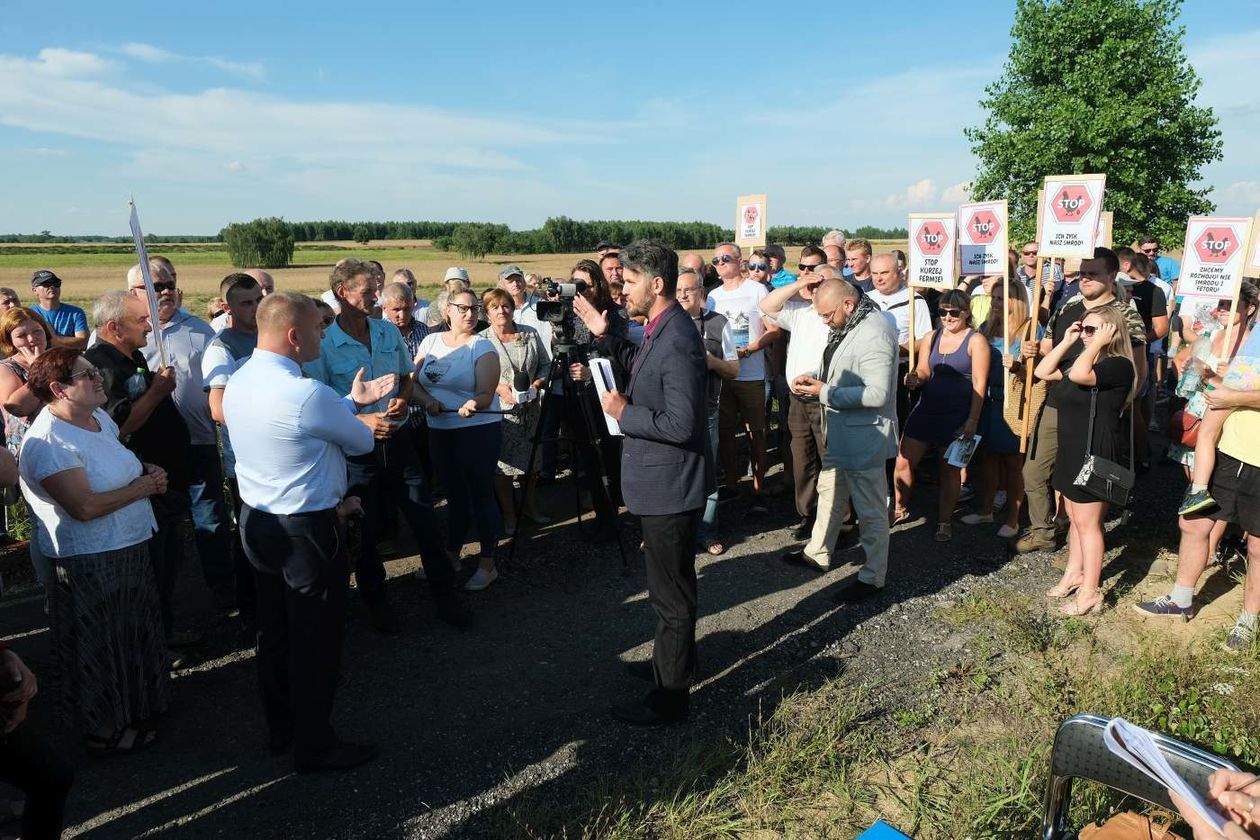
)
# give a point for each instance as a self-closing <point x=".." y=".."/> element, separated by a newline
<point x="1236" y="487"/>
<point x="744" y="401"/>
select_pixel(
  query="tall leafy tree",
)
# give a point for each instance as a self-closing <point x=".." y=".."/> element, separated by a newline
<point x="1098" y="86"/>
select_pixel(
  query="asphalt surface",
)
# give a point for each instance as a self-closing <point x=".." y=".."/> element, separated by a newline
<point x="469" y="720"/>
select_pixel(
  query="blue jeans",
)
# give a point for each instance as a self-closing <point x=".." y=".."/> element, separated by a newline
<point x="466" y="458"/>
<point x="708" y="520"/>
<point x="211" y="527"/>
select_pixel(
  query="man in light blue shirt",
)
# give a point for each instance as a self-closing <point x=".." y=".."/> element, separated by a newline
<point x="1169" y="269"/>
<point x="391" y="472"/>
<point x="69" y="322"/>
<point x="292" y="436"/>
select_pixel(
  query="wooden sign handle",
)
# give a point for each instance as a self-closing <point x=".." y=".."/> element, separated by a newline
<point x="1028" y="374"/>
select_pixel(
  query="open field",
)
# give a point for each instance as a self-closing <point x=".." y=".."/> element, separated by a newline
<point x="88" y="270"/>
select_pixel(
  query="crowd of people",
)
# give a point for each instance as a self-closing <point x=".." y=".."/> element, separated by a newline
<point x="352" y="412"/>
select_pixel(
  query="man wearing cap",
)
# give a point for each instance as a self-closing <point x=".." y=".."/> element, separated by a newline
<point x="604" y="247"/>
<point x="512" y="281"/>
<point x="779" y="276"/>
<point x="69" y="322"/>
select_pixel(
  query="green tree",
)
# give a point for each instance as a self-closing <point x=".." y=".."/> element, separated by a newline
<point x="262" y="243"/>
<point x="362" y="234"/>
<point x="1098" y="86"/>
<point x="475" y="240"/>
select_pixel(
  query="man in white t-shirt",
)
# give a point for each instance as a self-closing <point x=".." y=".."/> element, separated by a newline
<point x="791" y="309"/>
<point x="891" y="294"/>
<point x="743" y="399"/>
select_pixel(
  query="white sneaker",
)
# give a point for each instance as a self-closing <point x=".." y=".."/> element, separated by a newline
<point x="999" y="500"/>
<point x="1006" y="532"/>
<point x="976" y="519"/>
<point x="481" y="579"/>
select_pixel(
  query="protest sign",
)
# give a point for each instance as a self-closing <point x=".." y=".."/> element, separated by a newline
<point x="1213" y="257"/>
<point x="750" y="221"/>
<point x="982" y="235"/>
<point x="1067" y="215"/>
<point x="932" y="241"/>
<point x="142" y="254"/>
<point x="1105" y="221"/>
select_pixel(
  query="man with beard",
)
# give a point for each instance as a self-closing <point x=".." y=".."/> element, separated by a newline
<point x="665" y="474"/>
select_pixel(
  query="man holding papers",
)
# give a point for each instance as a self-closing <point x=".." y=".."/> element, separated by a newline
<point x="665" y="475"/>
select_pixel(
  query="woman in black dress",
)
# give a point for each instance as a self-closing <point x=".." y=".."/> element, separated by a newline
<point x="1104" y="371"/>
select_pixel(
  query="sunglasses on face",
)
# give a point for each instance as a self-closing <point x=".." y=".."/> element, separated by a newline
<point x="1150" y="250"/>
<point x="1088" y="330"/>
<point x="1224" y="305"/>
<point x="724" y="259"/>
<point x="951" y="313"/>
<point x="1030" y="253"/>
<point x="758" y="266"/>
<point x="52" y="284"/>
<point x="164" y="287"/>
<point x="807" y="266"/>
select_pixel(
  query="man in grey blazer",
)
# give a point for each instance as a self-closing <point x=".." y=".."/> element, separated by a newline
<point x="666" y="474"/>
<point x="858" y="393"/>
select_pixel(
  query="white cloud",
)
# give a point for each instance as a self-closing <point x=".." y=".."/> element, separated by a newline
<point x="45" y="152"/>
<point x="1240" y="193"/>
<point x="957" y="193"/>
<point x="916" y="196"/>
<point x="157" y="55"/>
<point x="54" y="61"/>
<point x="235" y="166"/>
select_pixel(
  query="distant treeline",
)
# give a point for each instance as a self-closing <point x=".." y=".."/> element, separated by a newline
<point x="559" y="234"/>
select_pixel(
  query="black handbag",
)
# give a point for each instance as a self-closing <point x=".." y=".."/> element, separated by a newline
<point x="1100" y="477"/>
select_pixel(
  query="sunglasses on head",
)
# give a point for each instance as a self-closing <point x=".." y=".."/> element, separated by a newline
<point x="724" y="259"/>
<point x="758" y="266"/>
<point x="807" y="267"/>
<point x="951" y="313"/>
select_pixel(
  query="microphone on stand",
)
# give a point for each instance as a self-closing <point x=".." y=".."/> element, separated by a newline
<point x="521" y="389"/>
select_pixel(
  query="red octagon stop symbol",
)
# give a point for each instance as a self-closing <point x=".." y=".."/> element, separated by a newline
<point x="1216" y="245"/>
<point x="932" y="238"/>
<point x="1071" y="203"/>
<point x="984" y="227"/>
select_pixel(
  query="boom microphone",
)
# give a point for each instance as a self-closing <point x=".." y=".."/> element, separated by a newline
<point x="522" y="392"/>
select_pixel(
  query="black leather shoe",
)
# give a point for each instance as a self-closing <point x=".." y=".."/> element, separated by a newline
<point x="279" y="744"/>
<point x="803" y="529"/>
<point x="381" y="616"/>
<point x="858" y="591"/>
<point x="454" y="610"/>
<point x="659" y="708"/>
<point x="642" y="670"/>
<point x="798" y="558"/>
<point x="339" y="757"/>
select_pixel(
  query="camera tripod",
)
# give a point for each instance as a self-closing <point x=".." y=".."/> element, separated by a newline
<point x="590" y="433"/>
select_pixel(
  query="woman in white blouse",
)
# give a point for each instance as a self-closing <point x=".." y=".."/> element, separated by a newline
<point x="90" y="497"/>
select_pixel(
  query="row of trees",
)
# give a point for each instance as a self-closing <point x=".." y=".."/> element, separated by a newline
<point x="262" y="243"/>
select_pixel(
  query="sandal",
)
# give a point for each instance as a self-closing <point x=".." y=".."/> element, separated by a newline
<point x="898" y="516"/>
<point x="114" y="745"/>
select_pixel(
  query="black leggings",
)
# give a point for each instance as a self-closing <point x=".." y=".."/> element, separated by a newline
<point x="465" y="459"/>
<point x="32" y="766"/>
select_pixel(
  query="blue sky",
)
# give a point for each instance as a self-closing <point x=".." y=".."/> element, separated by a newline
<point x="514" y="112"/>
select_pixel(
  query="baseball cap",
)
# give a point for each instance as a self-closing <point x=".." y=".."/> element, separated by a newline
<point x="775" y="251"/>
<point x="604" y="243"/>
<point x="455" y="273"/>
<point x="510" y="270"/>
<point x="44" y="277"/>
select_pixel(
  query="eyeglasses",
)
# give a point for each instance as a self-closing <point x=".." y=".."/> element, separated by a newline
<point x="724" y="259"/>
<point x="466" y="308"/>
<point x="51" y="284"/>
<point x="164" y="287"/>
<point x="808" y="266"/>
<point x="951" y="313"/>
<point x="91" y="373"/>
<point x="1088" y="329"/>
<point x="1151" y="250"/>
<point x="758" y="266"/>
<point x="1032" y="253"/>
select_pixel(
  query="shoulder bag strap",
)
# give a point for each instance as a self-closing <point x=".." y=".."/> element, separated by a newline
<point x="1093" y="410"/>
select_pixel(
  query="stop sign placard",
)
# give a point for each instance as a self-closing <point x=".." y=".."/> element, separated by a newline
<point x="1071" y="203"/>
<point x="932" y="238"/>
<point x="1215" y="245"/>
<point x="984" y="227"/>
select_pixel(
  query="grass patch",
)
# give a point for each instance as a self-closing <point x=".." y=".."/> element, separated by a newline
<point x="966" y="755"/>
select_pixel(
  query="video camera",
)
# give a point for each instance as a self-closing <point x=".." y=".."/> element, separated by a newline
<point x="558" y="309"/>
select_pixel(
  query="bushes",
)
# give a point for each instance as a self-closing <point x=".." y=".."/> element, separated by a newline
<point x="262" y="243"/>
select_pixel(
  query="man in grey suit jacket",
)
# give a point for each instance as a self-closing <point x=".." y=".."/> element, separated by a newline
<point x="859" y="398"/>
<point x="666" y="474"/>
